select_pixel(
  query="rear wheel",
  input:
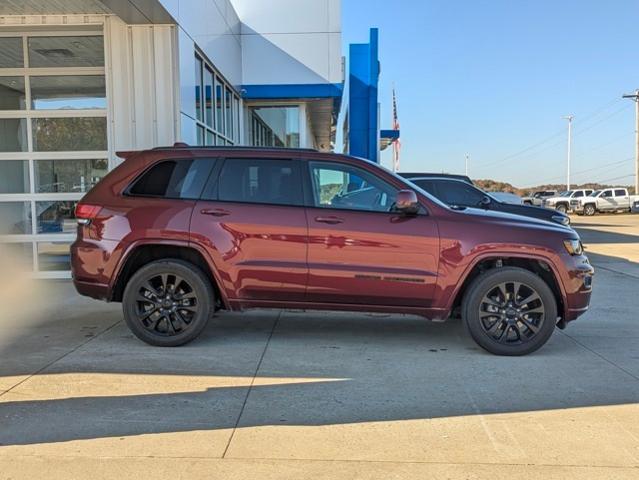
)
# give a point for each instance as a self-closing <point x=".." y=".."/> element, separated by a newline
<point x="168" y="303"/>
<point x="562" y="208"/>
<point x="509" y="311"/>
<point x="590" y="210"/>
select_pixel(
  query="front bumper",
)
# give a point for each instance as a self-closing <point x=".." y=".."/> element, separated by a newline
<point x="578" y="287"/>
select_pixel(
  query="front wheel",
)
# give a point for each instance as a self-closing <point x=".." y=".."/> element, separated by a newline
<point x="168" y="302"/>
<point x="590" y="210"/>
<point x="562" y="208"/>
<point x="509" y="311"/>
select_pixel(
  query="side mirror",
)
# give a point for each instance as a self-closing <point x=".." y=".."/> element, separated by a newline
<point x="406" y="202"/>
<point x="485" y="202"/>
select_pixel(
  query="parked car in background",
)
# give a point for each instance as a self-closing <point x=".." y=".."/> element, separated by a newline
<point x="562" y="201"/>
<point x="635" y="206"/>
<point x="456" y="194"/>
<point x="409" y="175"/>
<point x="606" y="200"/>
<point x="537" y="198"/>
<point x="176" y="233"/>
<point x="507" y="197"/>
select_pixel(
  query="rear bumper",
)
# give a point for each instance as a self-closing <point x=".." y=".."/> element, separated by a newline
<point x="99" y="291"/>
<point x="93" y="264"/>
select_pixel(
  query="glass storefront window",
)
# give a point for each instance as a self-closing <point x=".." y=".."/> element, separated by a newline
<point x="13" y="135"/>
<point x="277" y="126"/>
<point x="59" y="51"/>
<point x="11" y="55"/>
<point x="72" y="134"/>
<point x="14" y="176"/>
<point x="208" y="89"/>
<point x="15" y="218"/>
<point x="12" y="96"/>
<point x="54" y="256"/>
<point x="77" y="176"/>
<point x="219" y="111"/>
<point x="85" y="92"/>
<point x="56" y="216"/>
<point x="228" y="105"/>
<point x="198" y="88"/>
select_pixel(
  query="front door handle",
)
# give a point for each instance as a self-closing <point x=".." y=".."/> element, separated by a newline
<point x="331" y="220"/>
<point x="215" y="212"/>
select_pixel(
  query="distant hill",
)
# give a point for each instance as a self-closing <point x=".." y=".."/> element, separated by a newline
<point x="495" y="186"/>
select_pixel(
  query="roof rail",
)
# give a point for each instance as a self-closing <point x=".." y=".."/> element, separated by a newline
<point x="182" y="145"/>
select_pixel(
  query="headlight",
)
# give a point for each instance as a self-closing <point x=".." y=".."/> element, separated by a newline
<point x="563" y="219"/>
<point x="574" y="247"/>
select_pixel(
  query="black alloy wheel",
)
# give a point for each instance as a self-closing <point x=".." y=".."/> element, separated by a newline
<point x="168" y="302"/>
<point x="509" y="311"/>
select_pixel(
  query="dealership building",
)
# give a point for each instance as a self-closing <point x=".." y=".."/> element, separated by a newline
<point x="83" y="79"/>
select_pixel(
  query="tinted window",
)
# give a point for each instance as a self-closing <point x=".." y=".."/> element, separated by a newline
<point x="578" y="194"/>
<point x="620" y="193"/>
<point x="174" y="179"/>
<point x="261" y="181"/>
<point x="607" y="193"/>
<point x="459" y="193"/>
<point x="427" y="185"/>
<point x="350" y="188"/>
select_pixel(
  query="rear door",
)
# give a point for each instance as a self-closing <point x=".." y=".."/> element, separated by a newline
<point x="621" y="198"/>
<point x="360" y="251"/>
<point x="252" y="221"/>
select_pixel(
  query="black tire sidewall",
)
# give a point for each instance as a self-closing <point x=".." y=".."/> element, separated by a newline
<point x="198" y="281"/>
<point x="486" y="281"/>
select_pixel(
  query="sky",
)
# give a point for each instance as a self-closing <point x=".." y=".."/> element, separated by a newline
<point x="494" y="79"/>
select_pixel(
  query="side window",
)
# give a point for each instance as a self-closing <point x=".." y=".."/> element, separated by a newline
<point x="174" y="179"/>
<point x="578" y="194"/>
<point x="261" y="181"/>
<point x="350" y="188"/>
<point x="459" y="193"/>
<point x="427" y="185"/>
<point x="620" y="193"/>
<point x="588" y="192"/>
<point x="607" y="194"/>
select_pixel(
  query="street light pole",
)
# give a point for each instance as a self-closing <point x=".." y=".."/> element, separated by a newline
<point x="635" y="97"/>
<point x="467" y="160"/>
<point x="569" y="118"/>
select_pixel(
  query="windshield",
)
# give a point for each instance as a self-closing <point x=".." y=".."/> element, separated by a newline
<point x="567" y="193"/>
<point x="595" y="193"/>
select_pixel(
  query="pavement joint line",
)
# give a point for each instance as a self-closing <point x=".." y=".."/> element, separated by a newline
<point x="327" y="460"/>
<point x="600" y="355"/>
<point x="73" y="350"/>
<point x="248" y="391"/>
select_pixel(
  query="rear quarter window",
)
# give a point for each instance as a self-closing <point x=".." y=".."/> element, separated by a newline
<point x="183" y="179"/>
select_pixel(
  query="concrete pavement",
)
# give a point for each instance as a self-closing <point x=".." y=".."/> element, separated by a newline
<point x="323" y="395"/>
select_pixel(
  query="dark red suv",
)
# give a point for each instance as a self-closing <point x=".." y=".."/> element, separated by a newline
<point x="176" y="233"/>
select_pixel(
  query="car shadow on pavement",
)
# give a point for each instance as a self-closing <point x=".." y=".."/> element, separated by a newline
<point x="95" y="380"/>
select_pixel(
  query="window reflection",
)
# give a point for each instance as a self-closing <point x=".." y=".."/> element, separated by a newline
<point x="15" y="218"/>
<point x="68" y="92"/>
<point x="59" y="134"/>
<point x="12" y="96"/>
<point x="14" y="176"/>
<point x="13" y="135"/>
<point x="69" y="175"/>
<point x="56" y="217"/>
<point x="66" y="51"/>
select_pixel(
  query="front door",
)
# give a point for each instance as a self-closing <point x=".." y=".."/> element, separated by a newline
<point x="252" y="221"/>
<point x="360" y="251"/>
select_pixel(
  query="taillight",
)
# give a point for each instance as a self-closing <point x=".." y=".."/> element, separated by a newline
<point x="85" y="212"/>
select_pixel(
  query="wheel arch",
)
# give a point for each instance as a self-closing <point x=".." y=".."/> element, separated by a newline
<point x="541" y="266"/>
<point x="142" y="253"/>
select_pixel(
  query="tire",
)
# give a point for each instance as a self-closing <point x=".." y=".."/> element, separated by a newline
<point x="562" y="208"/>
<point x="509" y="331"/>
<point x="589" y="210"/>
<point x="168" y="303"/>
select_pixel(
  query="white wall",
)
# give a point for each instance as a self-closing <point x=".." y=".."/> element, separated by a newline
<point x="142" y="84"/>
<point x="290" y="41"/>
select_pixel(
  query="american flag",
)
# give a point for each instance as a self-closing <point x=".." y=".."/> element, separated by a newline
<point x="397" y="144"/>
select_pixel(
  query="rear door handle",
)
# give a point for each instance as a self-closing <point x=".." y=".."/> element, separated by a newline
<point x="330" y="220"/>
<point x="215" y="212"/>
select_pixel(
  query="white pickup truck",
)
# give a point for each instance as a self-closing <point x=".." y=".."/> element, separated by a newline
<point x="562" y="202"/>
<point x="606" y="200"/>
